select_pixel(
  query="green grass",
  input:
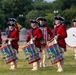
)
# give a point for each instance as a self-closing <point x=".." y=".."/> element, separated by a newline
<point x="25" y="69"/>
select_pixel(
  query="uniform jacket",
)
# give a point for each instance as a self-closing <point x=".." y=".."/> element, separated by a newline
<point x="49" y="33"/>
<point x="61" y="31"/>
<point x="13" y="34"/>
<point x="35" y="32"/>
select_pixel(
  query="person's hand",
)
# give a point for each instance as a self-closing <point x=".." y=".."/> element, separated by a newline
<point x="25" y="43"/>
<point x="33" y="39"/>
<point x="56" y="37"/>
<point x="10" y="39"/>
<point x="48" y="42"/>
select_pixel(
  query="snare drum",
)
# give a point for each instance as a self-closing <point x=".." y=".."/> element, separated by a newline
<point x="53" y="53"/>
<point x="8" y="54"/>
<point x="31" y="53"/>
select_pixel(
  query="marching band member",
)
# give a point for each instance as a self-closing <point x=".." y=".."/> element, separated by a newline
<point x="74" y="24"/>
<point x="36" y="34"/>
<point x="13" y="38"/>
<point x="47" y="36"/>
<point x="60" y="35"/>
<point x="17" y="25"/>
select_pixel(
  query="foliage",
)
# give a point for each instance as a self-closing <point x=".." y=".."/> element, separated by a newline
<point x="2" y="19"/>
<point x="69" y="14"/>
<point x="35" y="8"/>
<point x="14" y="8"/>
<point x="65" y="4"/>
<point x="50" y="19"/>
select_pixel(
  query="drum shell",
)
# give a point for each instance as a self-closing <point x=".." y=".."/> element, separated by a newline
<point x="8" y="54"/>
<point x="31" y="53"/>
<point x="54" y="53"/>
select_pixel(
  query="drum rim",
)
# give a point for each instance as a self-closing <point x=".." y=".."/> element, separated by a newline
<point x="65" y="41"/>
<point x="37" y="59"/>
<point x="5" y="46"/>
<point x="26" y="46"/>
<point x="11" y="60"/>
<point x="47" y="47"/>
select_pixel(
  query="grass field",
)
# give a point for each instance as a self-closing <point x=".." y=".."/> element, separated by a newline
<point x="25" y="69"/>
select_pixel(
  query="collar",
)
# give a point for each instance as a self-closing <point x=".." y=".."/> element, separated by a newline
<point x="34" y="27"/>
<point x="12" y="29"/>
<point x="59" y="24"/>
<point x="42" y="25"/>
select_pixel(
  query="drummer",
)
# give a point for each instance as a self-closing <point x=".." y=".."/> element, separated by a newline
<point x="46" y="31"/>
<point x="36" y="35"/>
<point x="60" y="35"/>
<point x="13" y="38"/>
<point x="74" y="24"/>
<point x="17" y="25"/>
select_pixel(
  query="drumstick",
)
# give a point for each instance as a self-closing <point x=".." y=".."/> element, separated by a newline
<point x="53" y="39"/>
<point x="31" y="40"/>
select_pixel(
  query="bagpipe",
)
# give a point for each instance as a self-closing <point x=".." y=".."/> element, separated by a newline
<point x="7" y="52"/>
<point x="31" y="52"/>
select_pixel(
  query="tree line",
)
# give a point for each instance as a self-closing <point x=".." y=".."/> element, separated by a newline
<point x="23" y="10"/>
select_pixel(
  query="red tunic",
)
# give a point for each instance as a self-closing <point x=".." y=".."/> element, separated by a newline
<point x="37" y="32"/>
<point x="14" y="34"/>
<point x="61" y="31"/>
<point x="16" y="27"/>
<point x="49" y="32"/>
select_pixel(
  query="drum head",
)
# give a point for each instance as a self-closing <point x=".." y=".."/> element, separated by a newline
<point x="71" y="37"/>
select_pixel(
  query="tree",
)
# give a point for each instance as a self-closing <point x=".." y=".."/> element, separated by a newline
<point x="32" y="15"/>
<point x="69" y="14"/>
<point x="2" y="20"/>
<point x="43" y="6"/>
<point x="64" y="4"/>
<point x="12" y="8"/>
<point x="50" y="19"/>
<point x="0" y="3"/>
<point x="38" y="0"/>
